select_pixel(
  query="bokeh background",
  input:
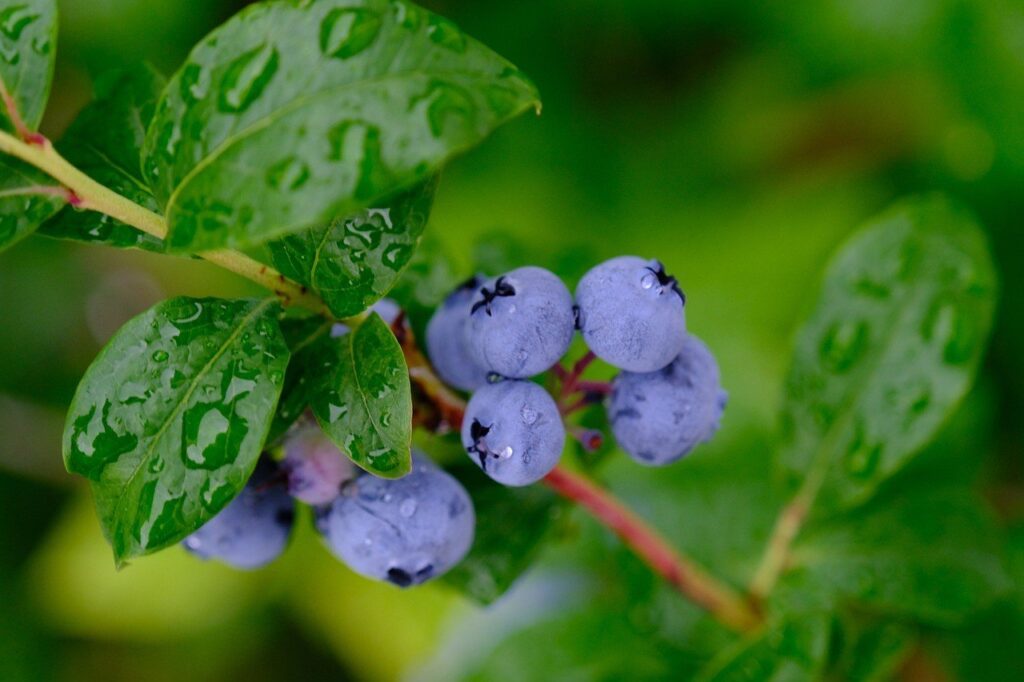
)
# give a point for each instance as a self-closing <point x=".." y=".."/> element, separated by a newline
<point x="739" y="142"/>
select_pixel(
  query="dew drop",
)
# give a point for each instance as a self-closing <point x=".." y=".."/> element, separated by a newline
<point x="14" y="20"/>
<point x="446" y="34"/>
<point x="160" y="356"/>
<point x="408" y="507"/>
<point x="648" y="281"/>
<point x="506" y="453"/>
<point x="844" y="344"/>
<point x="947" y="324"/>
<point x="246" y="78"/>
<point x="345" y="32"/>
<point x="288" y="174"/>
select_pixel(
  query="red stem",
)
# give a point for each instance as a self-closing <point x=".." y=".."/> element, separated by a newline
<point x="686" y="576"/>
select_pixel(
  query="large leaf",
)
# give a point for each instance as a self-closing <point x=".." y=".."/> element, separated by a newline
<point x="292" y="114"/>
<point x="363" y="400"/>
<point x="512" y="525"/>
<point x="105" y="142"/>
<point x="28" y="48"/>
<point x="933" y="556"/>
<point x="169" y="420"/>
<point x="789" y="651"/>
<point x="24" y="200"/>
<point x="353" y="262"/>
<point x="891" y="348"/>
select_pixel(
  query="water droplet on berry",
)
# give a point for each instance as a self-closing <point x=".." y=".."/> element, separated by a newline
<point x="648" y="281"/>
<point x="407" y="508"/>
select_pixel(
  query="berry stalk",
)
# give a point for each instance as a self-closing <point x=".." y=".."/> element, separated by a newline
<point x="690" y="579"/>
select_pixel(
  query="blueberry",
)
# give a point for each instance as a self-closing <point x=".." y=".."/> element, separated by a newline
<point x="447" y="342"/>
<point x="254" y="528"/>
<point x="657" y="417"/>
<point x="316" y="468"/>
<point x="631" y="313"/>
<point x="514" y="432"/>
<point x="404" y="530"/>
<point x="520" y="323"/>
<point x="388" y="309"/>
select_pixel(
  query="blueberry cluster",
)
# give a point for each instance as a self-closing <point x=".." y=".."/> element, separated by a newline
<point x="492" y="335"/>
<point x="404" y="531"/>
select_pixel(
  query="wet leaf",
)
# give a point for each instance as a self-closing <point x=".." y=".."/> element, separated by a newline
<point x="105" y="142"/>
<point x="28" y="48"/>
<point x="353" y="262"/>
<point x="292" y="114"/>
<point x="893" y="345"/>
<point x="169" y="420"/>
<point x="363" y="400"/>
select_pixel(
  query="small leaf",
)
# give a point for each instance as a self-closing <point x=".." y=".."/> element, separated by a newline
<point x="303" y="337"/>
<point x="789" y="651"/>
<point x="105" y="142"/>
<point x="28" y="198"/>
<point x="892" y="347"/>
<point x="512" y="526"/>
<point x="170" y="419"/>
<point x="353" y="262"/>
<point x="363" y="400"/>
<point x="291" y="114"/>
<point x="28" y="50"/>
<point x="931" y="555"/>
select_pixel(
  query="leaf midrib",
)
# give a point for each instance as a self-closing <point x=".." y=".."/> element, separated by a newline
<point x="194" y="384"/>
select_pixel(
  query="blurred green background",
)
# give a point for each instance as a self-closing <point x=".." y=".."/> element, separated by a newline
<point x="739" y="142"/>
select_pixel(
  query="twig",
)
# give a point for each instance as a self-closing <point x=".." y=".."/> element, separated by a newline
<point x="86" y="193"/>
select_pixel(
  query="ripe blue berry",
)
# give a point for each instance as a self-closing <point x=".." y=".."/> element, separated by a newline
<point x="657" y="417"/>
<point x="447" y="342"/>
<point x="631" y="313"/>
<point x="405" y="530"/>
<point x="520" y="323"/>
<point x="316" y="468"/>
<point x="253" y="529"/>
<point x="514" y="432"/>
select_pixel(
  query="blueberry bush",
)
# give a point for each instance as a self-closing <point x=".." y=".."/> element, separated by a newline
<point x="437" y="422"/>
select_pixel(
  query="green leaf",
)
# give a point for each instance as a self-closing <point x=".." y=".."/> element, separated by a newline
<point x="363" y="400"/>
<point x="28" y="50"/>
<point x="788" y="651"/>
<point x="303" y="336"/>
<point x="292" y="114"/>
<point x="170" y="419"/>
<point x="893" y="345"/>
<point x="931" y="555"/>
<point x="105" y="142"/>
<point x="353" y="262"/>
<point x="24" y="201"/>
<point x="512" y="526"/>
